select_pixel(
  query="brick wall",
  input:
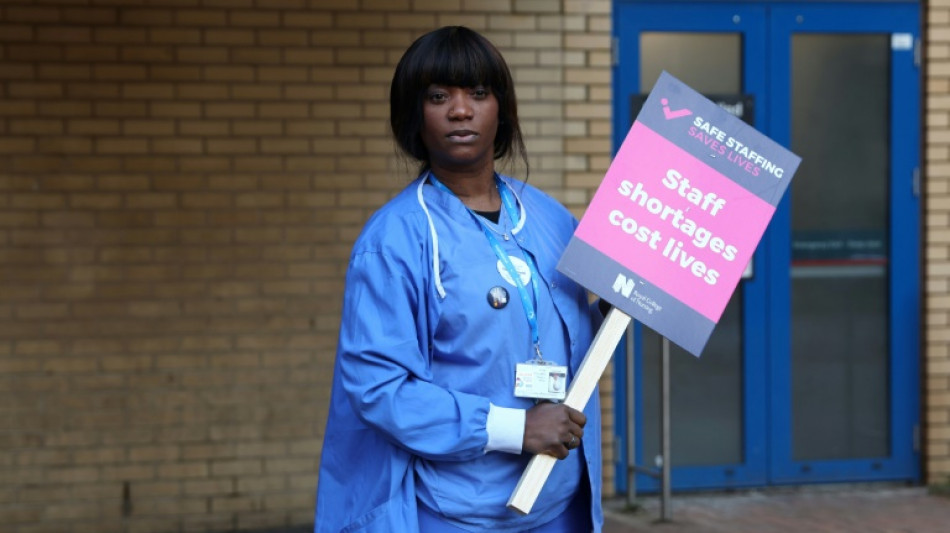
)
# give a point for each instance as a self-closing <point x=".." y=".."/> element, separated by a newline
<point x="180" y="184"/>
<point x="936" y="418"/>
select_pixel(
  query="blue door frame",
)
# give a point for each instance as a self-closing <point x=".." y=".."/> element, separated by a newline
<point x="766" y="29"/>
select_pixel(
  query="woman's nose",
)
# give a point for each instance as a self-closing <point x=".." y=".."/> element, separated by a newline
<point x="460" y="108"/>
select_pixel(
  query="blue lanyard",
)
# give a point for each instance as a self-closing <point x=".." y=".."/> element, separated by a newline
<point x="527" y="302"/>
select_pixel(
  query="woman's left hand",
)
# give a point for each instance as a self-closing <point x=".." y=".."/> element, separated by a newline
<point x="553" y="429"/>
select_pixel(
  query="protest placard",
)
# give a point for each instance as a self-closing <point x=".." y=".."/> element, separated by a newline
<point x="679" y="214"/>
<point x="669" y="232"/>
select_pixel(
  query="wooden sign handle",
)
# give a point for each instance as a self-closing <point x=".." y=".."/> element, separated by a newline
<point x="583" y="385"/>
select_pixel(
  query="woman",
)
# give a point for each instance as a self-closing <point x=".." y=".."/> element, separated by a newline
<point x="451" y="290"/>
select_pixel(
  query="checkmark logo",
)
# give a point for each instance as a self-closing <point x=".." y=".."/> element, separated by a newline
<point x="670" y="114"/>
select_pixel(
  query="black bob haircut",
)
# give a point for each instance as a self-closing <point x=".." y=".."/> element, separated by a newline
<point x="454" y="56"/>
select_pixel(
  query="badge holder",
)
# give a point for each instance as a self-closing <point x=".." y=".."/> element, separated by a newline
<point x="540" y="380"/>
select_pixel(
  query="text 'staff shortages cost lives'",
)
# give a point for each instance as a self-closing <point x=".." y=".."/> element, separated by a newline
<point x="679" y="214"/>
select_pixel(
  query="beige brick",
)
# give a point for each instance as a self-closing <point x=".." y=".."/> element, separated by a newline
<point x="209" y="487"/>
<point x="202" y="54"/>
<point x="172" y="36"/>
<point x="36" y="126"/>
<point x="19" y="220"/>
<point x="38" y="201"/>
<point x="257" y="56"/>
<point x="119" y="71"/>
<point x="255" y="18"/>
<point x="339" y="74"/>
<point x="17" y="145"/>
<point x="477" y="20"/>
<point x="37" y="90"/>
<point x="204" y="127"/>
<point x="228" y="73"/>
<point x="179" y="145"/>
<point x="93" y="127"/>
<point x="587" y="41"/>
<point x="203" y="164"/>
<point x="66" y="34"/>
<point x="257" y="127"/>
<point x="120" y="109"/>
<point x="258" y="91"/>
<point x="228" y="36"/>
<point x="283" y="110"/>
<point x="587" y="6"/>
<point x="200" y="17"/>
<point x="283" y="37"/>
<point x="587" y="76"/>
<point x="231" y="146"/>
<point x="175" y="72"/>
<point x="538" y="40"/>
<point x="258" y="163"/>
<point x="236" y="467"/>
<point x="15" y="71"/>
<point x="230" y="110"/>
<point x="121" y="146"/>
<point x="147" y="54"/>
<point x="285" y="146"/>
<point x="35" y="52"/>
<point x="17" y="32"/>
<point x="64" y="145"/>
<point x="587" y="111"/>
<point x="365" y="21"/>
<point x="308" y="56"/>
<point x="11" y="108"/>
<point x="410" y="20"/>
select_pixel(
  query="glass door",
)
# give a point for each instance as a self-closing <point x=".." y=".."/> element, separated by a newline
<point x="845" y="341"/>
<point x="717" y="50"/>
<point x="811" y="374"/>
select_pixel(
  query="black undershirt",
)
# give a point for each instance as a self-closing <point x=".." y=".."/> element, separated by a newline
<point x="490" y="215"/>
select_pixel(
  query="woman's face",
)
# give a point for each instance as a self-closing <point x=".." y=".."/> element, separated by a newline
<point x="459" y="126"/>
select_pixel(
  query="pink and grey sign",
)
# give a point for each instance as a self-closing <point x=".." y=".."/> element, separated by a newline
<point x="679" y="214"/>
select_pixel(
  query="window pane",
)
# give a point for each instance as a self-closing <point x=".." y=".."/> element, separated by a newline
<point x="706" y="393"/>
<point x="839" y="246"/>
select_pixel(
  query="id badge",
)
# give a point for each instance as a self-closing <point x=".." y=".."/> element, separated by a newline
<point x="540" y="381"/>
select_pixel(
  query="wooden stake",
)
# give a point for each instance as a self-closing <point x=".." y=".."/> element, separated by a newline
<point x="583" y="385"/>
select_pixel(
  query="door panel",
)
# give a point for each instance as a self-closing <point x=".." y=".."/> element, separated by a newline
<point x="839" y="270"/>
<point x="714" y="49"/>
<point x="843" y="351"/>
<point x="708" y="395"/>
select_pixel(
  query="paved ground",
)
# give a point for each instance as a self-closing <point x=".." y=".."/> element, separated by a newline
<point x="821" y="509"/>
<point x="811" y="510"/>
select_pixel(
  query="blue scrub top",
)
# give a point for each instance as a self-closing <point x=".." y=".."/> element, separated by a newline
<point x="416" y="370"/>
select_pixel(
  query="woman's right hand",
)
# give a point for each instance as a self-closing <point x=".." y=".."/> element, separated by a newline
<point x="553" y="429"/>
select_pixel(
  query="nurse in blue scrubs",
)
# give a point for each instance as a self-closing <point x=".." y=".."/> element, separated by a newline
<point x="453" y="315"/>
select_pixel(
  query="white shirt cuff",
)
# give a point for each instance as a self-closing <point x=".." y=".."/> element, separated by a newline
<point x="505" y="428"/>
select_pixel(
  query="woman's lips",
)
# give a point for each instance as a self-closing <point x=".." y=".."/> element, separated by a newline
<point x="462" y="136"/>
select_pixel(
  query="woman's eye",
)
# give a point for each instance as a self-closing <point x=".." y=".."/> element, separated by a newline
<point x="480" y="92"/>
<point x="436" y="97"/>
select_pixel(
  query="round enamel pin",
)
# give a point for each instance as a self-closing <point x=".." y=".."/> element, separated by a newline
<point x="497" y="297"/>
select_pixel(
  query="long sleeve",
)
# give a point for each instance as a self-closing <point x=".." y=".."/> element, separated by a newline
<point x="386" y="371"/>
